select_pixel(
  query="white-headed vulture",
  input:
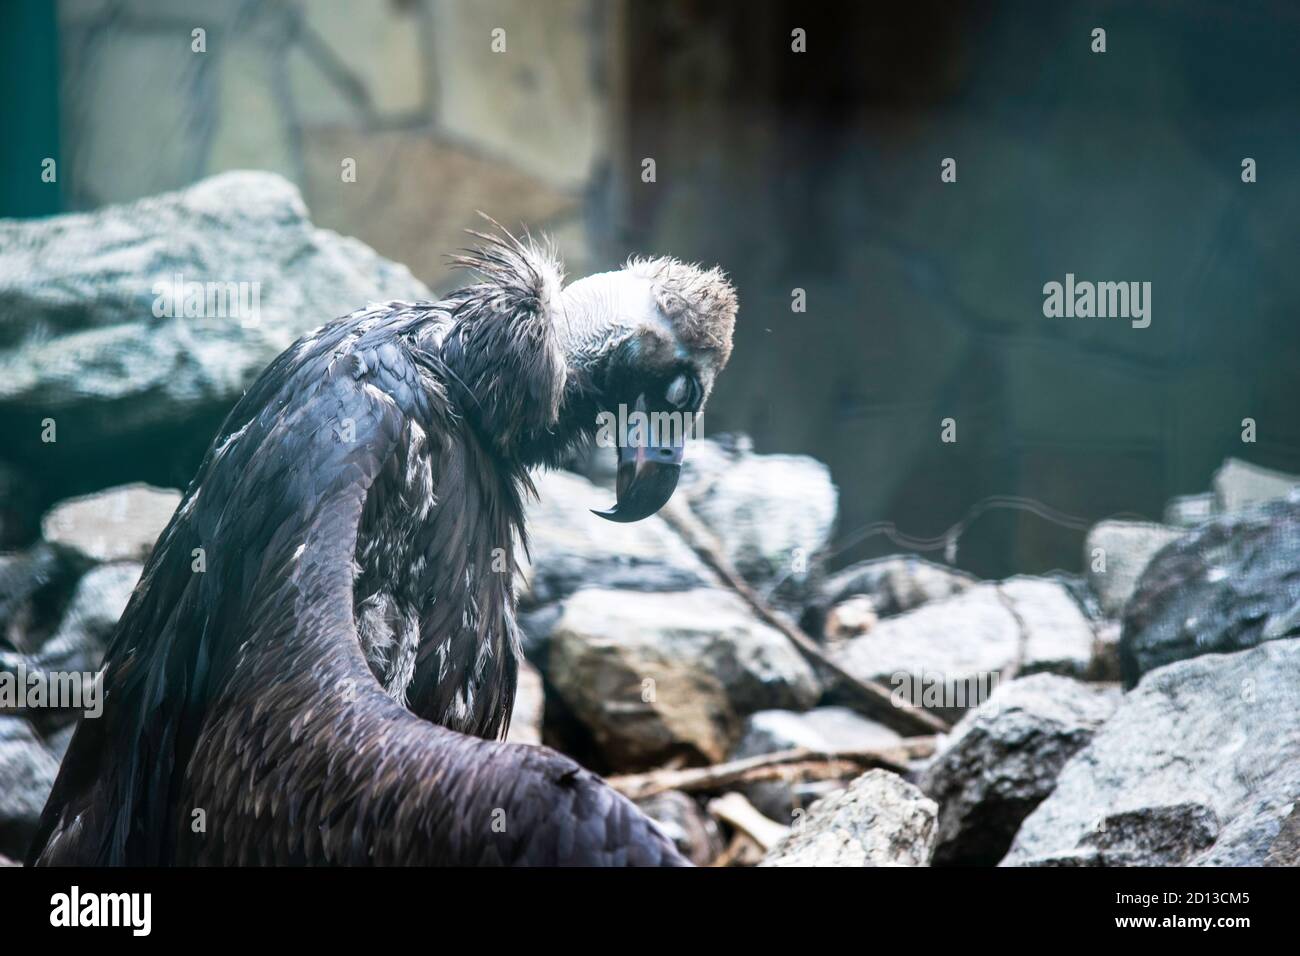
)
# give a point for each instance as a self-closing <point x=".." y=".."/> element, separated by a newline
<point x="320" y="657"/>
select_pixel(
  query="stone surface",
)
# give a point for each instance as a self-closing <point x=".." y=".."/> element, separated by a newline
<point x="965" y="644"/>
<point x="538" y="102"/>
<point x="895" y="584"/>
<point x="77" y="646"/>
<point x="879" y="820"/>
<point x="694" y="832"/>
<point x="824" y="729"/>
<point x="1228" y="585"/>
<point x="654" y="675"/>
<point x="1115" y="553"/>
<point x="118" y="524"/>
<point x="82" y="347"/>
<point x="1199" y="765"/>
<point x="414" y="197"/>
<point x="34" y="586"/>
<point x="1003" y="758"/>
<point x="530" y="705"/>
<point x="57" y="742"/>
<point x="27" y="772"/>
<point x="851" y="618"/>
<point x="571" y="548"/>
<point x="771" y="514"/>
<point x="1187" y="511"/>
<point x="1239" y="484"/>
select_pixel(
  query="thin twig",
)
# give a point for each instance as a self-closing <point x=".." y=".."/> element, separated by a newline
<point x="875" y="700"/>
<point x="783" y="764"/>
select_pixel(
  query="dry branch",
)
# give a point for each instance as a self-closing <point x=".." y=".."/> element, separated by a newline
<point x="797" y="763"/>
<point x="874" y="700"/>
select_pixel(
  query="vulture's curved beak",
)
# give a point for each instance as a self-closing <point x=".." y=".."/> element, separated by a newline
<point x="648" y="468"/>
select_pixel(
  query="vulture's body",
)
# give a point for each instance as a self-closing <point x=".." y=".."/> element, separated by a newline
<point x="323" y="643"/>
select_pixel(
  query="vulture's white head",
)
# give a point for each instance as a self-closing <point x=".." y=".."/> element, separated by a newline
<point x="628" y="357"/>
<point x="653" y="336"/>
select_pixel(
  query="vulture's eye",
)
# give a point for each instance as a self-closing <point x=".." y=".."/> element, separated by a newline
<point x="683" y="391"/>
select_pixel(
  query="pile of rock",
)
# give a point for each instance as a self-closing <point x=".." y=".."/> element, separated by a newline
<point x="643" y="663"/>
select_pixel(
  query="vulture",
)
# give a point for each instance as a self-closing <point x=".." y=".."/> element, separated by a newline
<point x="319" y="661"/>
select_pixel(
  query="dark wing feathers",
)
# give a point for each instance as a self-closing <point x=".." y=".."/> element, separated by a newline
<point x="242" y="723"/>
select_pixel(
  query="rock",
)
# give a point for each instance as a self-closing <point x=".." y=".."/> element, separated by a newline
<point x="1199" y="765"/>
<point x="879" y="820"/>
<point x="851" y="618"/>
<point x="57" y="742"/>
<point x="70" y="659"/>
<point x="530" y="703"/>
<point x="654" y="675"/>
<point x="85" y="340"/>
<point x="97" y="604"/>
<point x="694" y="832"/>
<point x="34" y="587"/>
<point x="571" y="548"/>
<point x="1187" y="511"/>
<point x="1228" y="585"/>
<point x="1115" y="554"/>
<point x="1105" y="652"/>
<point x="120" y="524"/>
<point x="1003" y="758"/>
<point x="824" y="729"/>
<point x="895" y="584"/>
<point x="950" y="654"/>
<point x="27" y="772"/>
<point x="1239" y="484"/>
<point x="772" y="514"/>
<point x="1285" y="850"/>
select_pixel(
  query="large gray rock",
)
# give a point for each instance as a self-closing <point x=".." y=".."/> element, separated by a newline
<point x="118" y="524"/>
<point x="823" y="729"/>
<point x="571" y="548"/>
<point x="653" y="675"/>
<point x="1228" y="585"/>
<point x="1199" y="765"/>
<point x="879" y="820"/>
<point x="772" y="514"/>
<point x="947" y="655"/>
<point x="27" y="772"/>
<point x="82" y="343"/>
<point x="1239" y="484"/>
<point x="1003" y="758"/>
<point x="1115" y="553"/>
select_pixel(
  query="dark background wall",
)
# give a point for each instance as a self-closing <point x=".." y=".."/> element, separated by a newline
<point x="817" y="171"/>
<point x="821" y="171"/>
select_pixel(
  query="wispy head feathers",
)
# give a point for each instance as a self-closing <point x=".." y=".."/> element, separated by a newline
<point x="521" y="275"/>
<point x="700" y="303"/>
